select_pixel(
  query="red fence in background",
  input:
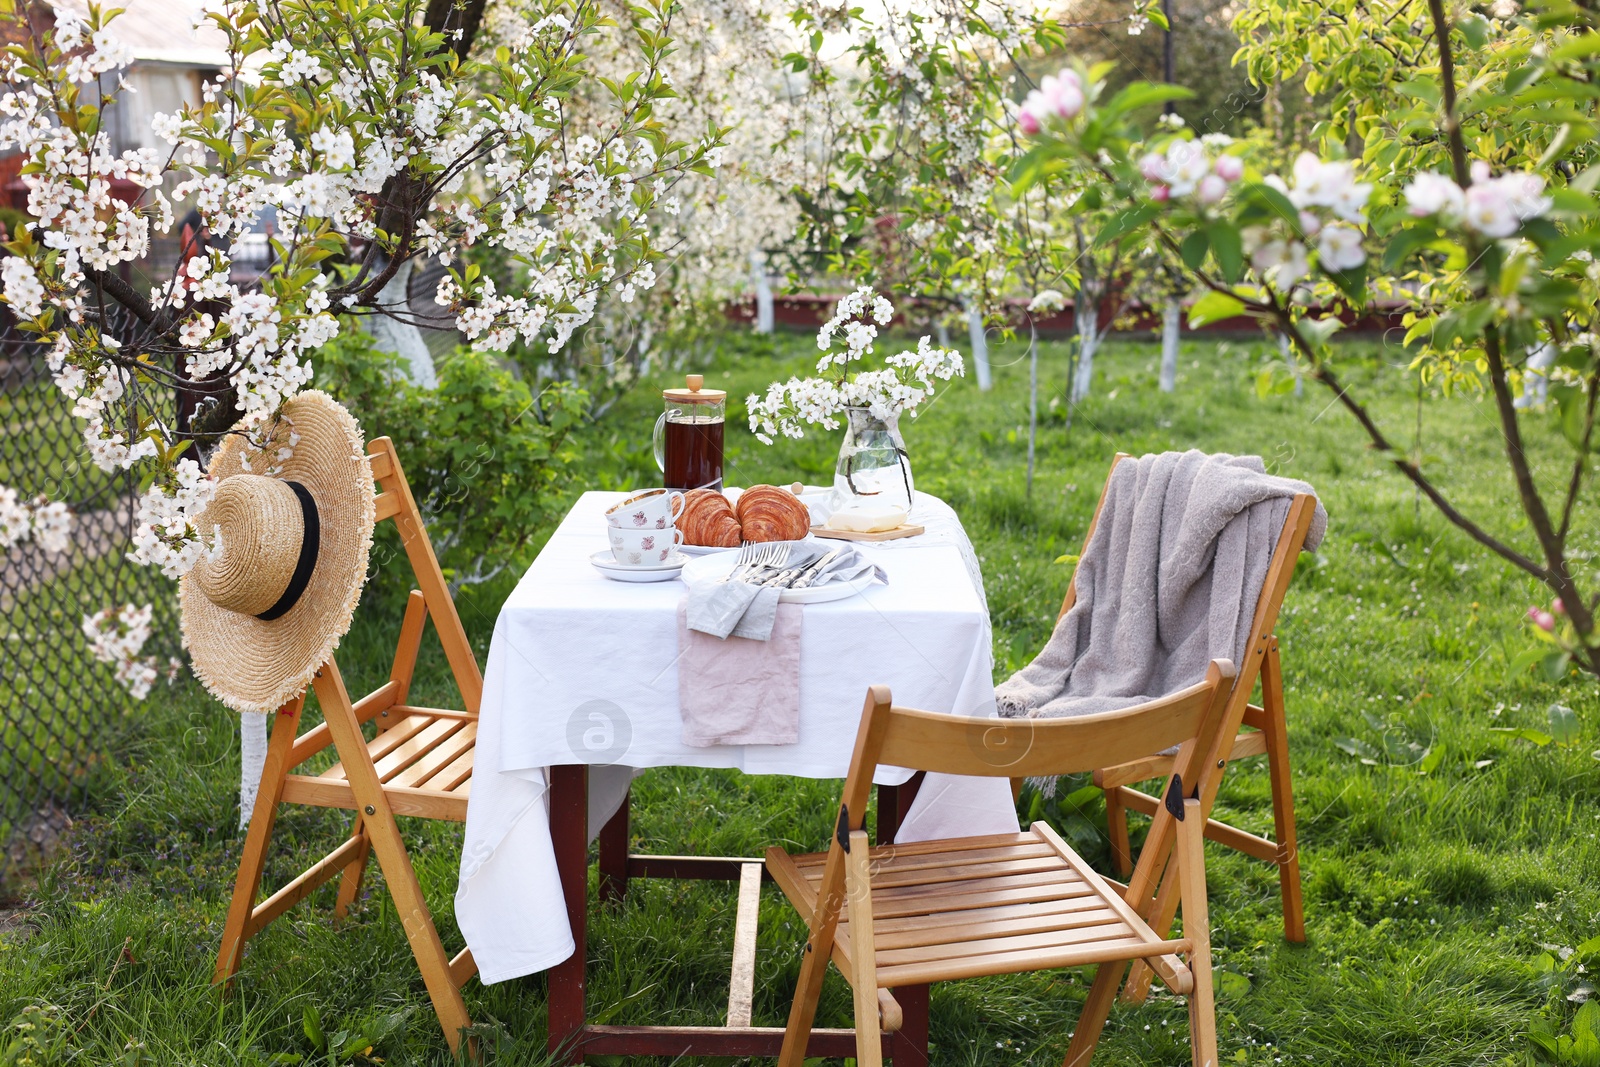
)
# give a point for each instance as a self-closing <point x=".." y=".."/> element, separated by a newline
<point x="808" y="312"/>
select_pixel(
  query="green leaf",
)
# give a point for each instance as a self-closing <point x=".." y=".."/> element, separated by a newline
<point x="1358" y="748"/>
<point x="1577" y="48"/>
<point x="1194" y="249"/>
<point x="1157" y="17"/>
<point x="1214" y="307"/>
<point x="1404" y="243"/>
<point x="311" y="1022"/>
<point x="1231" y="985"/>
<point x="1126" y="221"/>
<point x="1555" y="665"/>
<point x="1475" y="28"/>
<point x="1352" y="283"/>
<point x="1143" y="94"/>
<point x="1523" y="733"/>
<point x="1564" y="725"/>
<point x="1226" y="246"/>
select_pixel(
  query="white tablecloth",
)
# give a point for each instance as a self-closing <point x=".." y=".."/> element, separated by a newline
<point x="584" y="670"/>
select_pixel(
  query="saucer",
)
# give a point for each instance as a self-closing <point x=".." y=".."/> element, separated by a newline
<point x="607" y="564"/>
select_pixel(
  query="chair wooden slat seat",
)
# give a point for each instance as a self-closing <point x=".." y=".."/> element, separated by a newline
<point x="940" y="924"/>
<point x="419" y="763"/>
<point x="899" y="917"/>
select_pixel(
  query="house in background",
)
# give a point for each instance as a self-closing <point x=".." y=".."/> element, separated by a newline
<point x="171" y="56"/>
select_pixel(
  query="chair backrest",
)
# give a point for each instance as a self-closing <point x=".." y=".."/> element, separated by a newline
<point x="1281" y="568"/>
<point x="989" y="747"/>
<point x="1192" y="719"/>
<point x="395" y="502"/>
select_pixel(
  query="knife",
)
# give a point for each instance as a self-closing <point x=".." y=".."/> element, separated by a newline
<point x="805" y="577"/>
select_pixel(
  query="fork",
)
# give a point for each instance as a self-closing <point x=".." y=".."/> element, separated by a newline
<point x="754" y="556"/>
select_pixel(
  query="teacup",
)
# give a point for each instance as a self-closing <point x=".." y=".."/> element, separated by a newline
<point x="644" y="548"/>
<point x="652" y="509"/>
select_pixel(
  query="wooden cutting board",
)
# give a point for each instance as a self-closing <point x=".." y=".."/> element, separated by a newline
<point x="908" y="530"/>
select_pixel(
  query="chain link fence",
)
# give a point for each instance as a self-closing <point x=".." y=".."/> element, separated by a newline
<point x="61" y="710"/>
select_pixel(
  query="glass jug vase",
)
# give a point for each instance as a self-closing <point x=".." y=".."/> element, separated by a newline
<point x="873" y="467"/>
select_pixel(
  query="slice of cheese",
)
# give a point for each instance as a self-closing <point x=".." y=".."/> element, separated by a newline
<point x="867" y="518"/>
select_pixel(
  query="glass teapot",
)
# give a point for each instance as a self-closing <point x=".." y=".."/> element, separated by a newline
<point x="688" y="435"/>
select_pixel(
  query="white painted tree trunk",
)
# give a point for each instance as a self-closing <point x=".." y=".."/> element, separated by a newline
<point x="1087" y="314"/>
<point x="980" y="346"/>
<point x="758" y="272"/>
<point x="1535" y="383"/>
<point x="252" y="760"/>
<point x="1033" y="399"/>
<point x="941" y="331"/>
<point x="1171" y="332"/>
<point x="402" y="338"/>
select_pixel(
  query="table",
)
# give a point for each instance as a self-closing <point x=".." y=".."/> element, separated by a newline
<point x="581" y="693"/>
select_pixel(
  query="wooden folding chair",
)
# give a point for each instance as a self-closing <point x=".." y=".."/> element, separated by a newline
<point x="966" y="907"/>
<point x="419" y="763"/>
<point x="1265" y="732"/>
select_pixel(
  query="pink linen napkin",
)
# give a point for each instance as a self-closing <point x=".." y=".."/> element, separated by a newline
<point x="737" y="691"/>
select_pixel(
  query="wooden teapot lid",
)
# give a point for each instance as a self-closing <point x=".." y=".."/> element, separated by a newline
<point x="694" y="393"/>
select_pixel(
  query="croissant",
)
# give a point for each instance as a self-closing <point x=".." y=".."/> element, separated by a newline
<point x="768" y="513"/>
<point x="708" y="520"/>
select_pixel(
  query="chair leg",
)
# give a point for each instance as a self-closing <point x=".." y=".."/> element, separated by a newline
<point x="863" y="952"/>
<point x="386" y="841"/>
<point x="803" y="1012"/>
<point x="1197" y="930"/>
<point x="1096" y="1009"/>
<point x="253" y="856"/>
<point x="1162" y="912"/>
<point x="350" y="880"/>
<point x="1117" y="831"/>
<point x="1276" y="729"/>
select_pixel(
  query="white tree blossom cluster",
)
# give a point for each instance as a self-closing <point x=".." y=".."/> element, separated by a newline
<point x="370" y="142"/>
<point x="117" y="636"/>
<point x="903" y="383"/>
<point x="1493" y="207"/>
<point x="48" y="522"/>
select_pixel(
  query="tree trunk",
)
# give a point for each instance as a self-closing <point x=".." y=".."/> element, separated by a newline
<point x="758" y="274"/>
<point x="1535" y="384"/>
<point x="1033" y="399"/>
<point x="1171" y="324"/>
<point x="403" y="338"/>
<point x="1088" y="319"/>
<point x="252" y="762"/>
<point x="980" y="346"/>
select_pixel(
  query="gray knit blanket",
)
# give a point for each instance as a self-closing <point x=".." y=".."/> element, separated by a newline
<point x="1168" y="582"/>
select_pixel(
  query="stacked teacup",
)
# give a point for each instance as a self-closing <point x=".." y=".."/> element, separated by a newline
<point x="643" y="528"/>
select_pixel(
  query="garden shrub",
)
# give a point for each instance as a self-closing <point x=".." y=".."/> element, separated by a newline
<point x="488" y="461"/>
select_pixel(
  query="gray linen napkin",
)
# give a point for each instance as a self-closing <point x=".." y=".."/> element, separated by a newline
<point x="743" y="609"/>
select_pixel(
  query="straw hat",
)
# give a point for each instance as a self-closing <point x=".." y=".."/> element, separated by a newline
<point x="263" y="615"/>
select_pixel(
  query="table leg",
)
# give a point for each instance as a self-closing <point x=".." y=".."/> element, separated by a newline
<point x="909" y="1047"/>
<point x="893" y="803"/>
<point x="569" y="832"/>
<point x="614" y="854"/>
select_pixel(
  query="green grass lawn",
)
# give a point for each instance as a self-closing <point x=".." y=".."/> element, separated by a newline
<point x="1438" y="869"/>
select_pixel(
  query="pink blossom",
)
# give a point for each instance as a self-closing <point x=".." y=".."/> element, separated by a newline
<point x="1160" y="193"/>
<point x="1028" y="122"/>
<point x="1541" y="618"/>
<point x="1211" y="189"/>
<point x="1229" y="168"/>
<point x="1558" y="607"/>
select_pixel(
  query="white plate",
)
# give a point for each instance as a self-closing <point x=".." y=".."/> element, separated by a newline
<point x="607" y="564"/>
<point x="710" y="568"/>
<point x="704" y="550"/>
